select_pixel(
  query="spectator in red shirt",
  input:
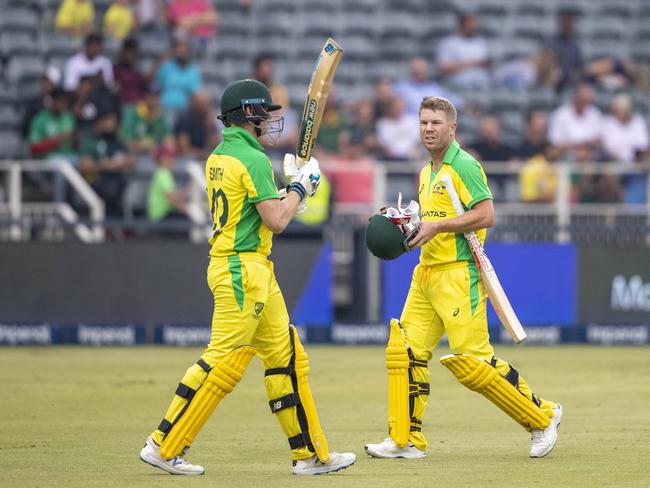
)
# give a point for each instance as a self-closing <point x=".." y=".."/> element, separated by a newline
<point x="131" y="82"/>
<point x="198" y="18"/>
<point x="352" y="172"/>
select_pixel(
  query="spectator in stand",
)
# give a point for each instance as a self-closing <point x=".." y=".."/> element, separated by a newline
<point x="538" y="176"/>
<point x="51" y="132"/>
<point x="332" y="125"/>
<point x="150" y="14"/>
<point x="623" y="133"/>
<point x="88" y="62"/>
<point x="196" y="130"/>
<point x="363" y="126"/>
<point x="264" y="71"/>
<point x="382" y="97"/>
<point x="463" y="57"/>
<point x="352" y="172"/>
<point x="590" y="186"/>
<point x="75" y="17"/>
<point x="565" y="48"/>
<point x="144" y="128"/>
<point x="489" y="147"/>
<point x="418" y="85"/>
<point x="51" y="80"/>
<point x="104" y="162"/>
<point x="130" y="82"/>
<point x="92" y="101"/>
<point x="535" y="141"/>
<point x="196" y="18"/>
<point x="625" y="136"/>
<point x="178" y="79"/>
<point x="165" y="201"/>
<point x="119" y="20"/>
<point x="577" y="122"/>
<point x="398" y="133"/>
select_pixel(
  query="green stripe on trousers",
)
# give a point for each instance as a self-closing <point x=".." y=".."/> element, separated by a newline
<point x="235" y="270"/>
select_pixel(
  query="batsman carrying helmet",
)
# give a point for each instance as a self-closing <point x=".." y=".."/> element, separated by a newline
<point x="446" y="295"/>
<point x="250" y="316"/>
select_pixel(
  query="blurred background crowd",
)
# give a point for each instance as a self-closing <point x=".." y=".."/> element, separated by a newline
<point x="127" y="90"/>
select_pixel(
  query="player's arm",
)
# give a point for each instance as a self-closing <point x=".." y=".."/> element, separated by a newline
<point x="480" y="216"/>
<point x="276" y="214"/>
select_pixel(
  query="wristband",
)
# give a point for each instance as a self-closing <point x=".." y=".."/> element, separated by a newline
<point x="298" y="188"/>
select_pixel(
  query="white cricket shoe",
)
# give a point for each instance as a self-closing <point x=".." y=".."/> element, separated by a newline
<point x="544" y="439"/>
<point x="313" y="465"/>
<point x="150" y="454"/>
<point x="388" y="449"/>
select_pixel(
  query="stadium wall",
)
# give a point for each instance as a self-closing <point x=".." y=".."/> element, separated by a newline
<point x="156" y="293"/>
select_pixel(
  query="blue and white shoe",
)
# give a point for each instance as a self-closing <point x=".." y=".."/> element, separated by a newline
<point x="544" y="439"/>
<point x="150" y="454"/>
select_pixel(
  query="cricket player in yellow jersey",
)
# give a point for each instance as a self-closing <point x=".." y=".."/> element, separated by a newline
<point x="250" y="316"/>
<point x="446" y="295"/>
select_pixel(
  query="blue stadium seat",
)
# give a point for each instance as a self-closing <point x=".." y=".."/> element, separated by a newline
<point x="11" y="143"/>
<point x="17" y="42"/>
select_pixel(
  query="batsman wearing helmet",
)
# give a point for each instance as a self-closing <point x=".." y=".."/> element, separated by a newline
<point x="250" y="316"/>
<point x="446" y="295"/>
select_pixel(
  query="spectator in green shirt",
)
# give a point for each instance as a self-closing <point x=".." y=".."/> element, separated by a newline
<point x="165" y="200"/>
<point x="104" y="162"/>
<point x="144" y="128"/>
<point x="51" y="131"/>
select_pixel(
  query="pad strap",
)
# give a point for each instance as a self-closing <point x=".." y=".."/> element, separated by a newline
<point x="165" y="426"/>
<point x="416" y="425"/>
<point x="418" y="363"/>
<point x="204" y="366"/>
<point x="300" y="440"/>
<point x="289" y="371"/>
<point x="185" y="391"/>
<point x="417" y="389"/>
<point x="290" y="400"/>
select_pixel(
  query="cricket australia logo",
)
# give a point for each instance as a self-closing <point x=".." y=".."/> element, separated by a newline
<point x="259" y="306"/>
<point x="439" y="188"/>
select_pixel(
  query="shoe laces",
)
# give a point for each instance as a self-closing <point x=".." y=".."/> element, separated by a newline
<point x="537" y="435"/>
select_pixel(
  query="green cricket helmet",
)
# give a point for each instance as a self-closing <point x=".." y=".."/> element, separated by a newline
<point x="254" y="95"/>
<point x="247" y="92"/>
<point x="384" y="238"/>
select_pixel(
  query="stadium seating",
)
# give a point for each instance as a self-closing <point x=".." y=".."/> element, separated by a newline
<point x="378" y="36"/>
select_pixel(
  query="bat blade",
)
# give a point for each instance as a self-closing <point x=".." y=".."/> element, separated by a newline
<point x="317" y="93"/>
<point x="495" y="292"/>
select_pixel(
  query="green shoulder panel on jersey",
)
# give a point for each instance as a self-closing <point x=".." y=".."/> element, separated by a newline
<point x="473" y="177"/>
<point x="247" y="149"/>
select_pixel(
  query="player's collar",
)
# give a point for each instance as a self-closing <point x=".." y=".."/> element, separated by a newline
<point x="451" y="152"/>
<point x="233" y="133"/>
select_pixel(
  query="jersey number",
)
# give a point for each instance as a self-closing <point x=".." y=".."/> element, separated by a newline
<point x="218" y="221"/>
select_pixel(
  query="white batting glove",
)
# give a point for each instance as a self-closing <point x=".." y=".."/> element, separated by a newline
<point x="290" y="167"/>
<point x="309" y="177"/>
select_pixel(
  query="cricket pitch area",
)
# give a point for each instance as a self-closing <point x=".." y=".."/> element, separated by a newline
<point x="77" y="417"/>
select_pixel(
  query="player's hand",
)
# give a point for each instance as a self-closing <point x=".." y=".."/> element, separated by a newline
<point x="309" y="177"/>
<point x="428" y="231"/>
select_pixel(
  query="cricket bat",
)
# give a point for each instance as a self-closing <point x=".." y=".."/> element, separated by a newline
<point x="317" y="93"/>
<point x="495" y="292"/>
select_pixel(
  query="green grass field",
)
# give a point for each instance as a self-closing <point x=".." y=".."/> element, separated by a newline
<point x="77" y="417"/>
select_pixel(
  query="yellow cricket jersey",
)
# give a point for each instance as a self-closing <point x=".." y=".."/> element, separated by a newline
<point x="238" y="175"/>
<point x="470" y="183"/>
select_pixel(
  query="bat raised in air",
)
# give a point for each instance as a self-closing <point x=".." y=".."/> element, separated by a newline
<point x="489" y="277"/>
<point x="319" y="89"/>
